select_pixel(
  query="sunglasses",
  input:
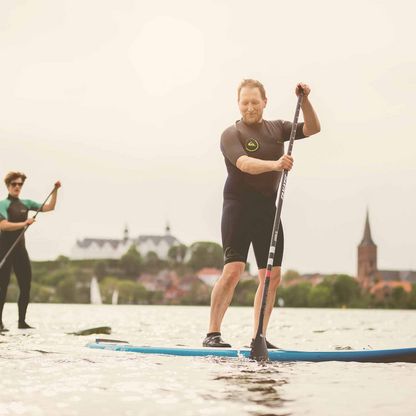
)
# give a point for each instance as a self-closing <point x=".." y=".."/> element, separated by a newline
<point x="14" y="184"/>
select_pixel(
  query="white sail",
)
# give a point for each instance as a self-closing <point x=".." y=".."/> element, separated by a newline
<point x="114" y="298"/>
<point x="95" y="295"/>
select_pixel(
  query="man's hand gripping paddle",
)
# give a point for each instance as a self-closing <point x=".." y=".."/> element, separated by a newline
<point x="259" y="349"/>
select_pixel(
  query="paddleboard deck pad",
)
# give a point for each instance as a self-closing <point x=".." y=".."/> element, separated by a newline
<point x="364" y="356"/>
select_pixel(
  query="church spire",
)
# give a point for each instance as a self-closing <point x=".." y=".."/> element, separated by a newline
<point x="167" y="228"/>
<point x="367" y="240"/>
<point x="126" y="233"/>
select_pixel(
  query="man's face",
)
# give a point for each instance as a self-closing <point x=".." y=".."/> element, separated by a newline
<point x="15" y="187"/>
<point x="251" y="105"/>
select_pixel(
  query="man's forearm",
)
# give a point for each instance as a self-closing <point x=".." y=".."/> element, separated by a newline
<point x="311" y="121"/>
<point x="255" y="166"/>
<point x="11" y="226"/>
<point x="51" y="205"/>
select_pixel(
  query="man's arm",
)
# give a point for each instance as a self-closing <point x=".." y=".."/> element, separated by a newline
<point x="50" y="206"/>
<point x="255" y="166"/>
<point x="311" y="122"/>
<point x="14" y="226"/>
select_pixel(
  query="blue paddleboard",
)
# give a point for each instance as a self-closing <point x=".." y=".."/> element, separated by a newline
<point x="365" y="356"/>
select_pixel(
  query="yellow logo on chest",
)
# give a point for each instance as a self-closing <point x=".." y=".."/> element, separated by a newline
<point x="252" y="145"/>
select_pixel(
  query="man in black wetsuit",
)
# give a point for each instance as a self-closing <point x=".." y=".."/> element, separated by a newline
<point x="13" y="218"/>
<point x="253" y="150"/>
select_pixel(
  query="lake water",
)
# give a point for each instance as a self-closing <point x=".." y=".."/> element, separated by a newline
<point x="46" y="372"/>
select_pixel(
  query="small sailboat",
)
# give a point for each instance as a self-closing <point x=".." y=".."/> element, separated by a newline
<point x="95" y="295"/>
<point x="114" y="298"/>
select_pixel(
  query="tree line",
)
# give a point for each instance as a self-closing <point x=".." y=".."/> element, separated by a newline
<point x="68" y="281"/>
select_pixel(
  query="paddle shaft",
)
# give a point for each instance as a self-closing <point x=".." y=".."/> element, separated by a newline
<point x="276" y="223"/>
<point x="24" y="230"/>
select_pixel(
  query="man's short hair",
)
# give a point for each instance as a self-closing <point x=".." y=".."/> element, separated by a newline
<point x="11" y="176"/>
<point x="252" y="83"/>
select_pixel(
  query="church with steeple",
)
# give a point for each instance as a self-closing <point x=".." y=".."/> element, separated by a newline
<point x="368" y="274"/>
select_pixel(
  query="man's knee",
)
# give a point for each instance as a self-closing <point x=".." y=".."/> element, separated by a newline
<point x="231" y="274"/>
<point x="275" y="277"/>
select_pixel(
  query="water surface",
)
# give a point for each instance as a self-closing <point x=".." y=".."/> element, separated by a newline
<point x="47" y="372"/>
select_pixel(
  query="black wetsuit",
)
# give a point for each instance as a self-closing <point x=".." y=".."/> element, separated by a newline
<point x="250" y="200"/>
<point x="15" y="210"/>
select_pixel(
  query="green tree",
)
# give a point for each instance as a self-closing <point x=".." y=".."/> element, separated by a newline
<point x="245" y="292"/>
<point x="154" y="298"/>
<point x="100" y="269"/>
<point x="320" y="296"/>
<point x="177" y="253"/>
<point x="199" y="294"/>
<point x="205" y="254"/>
<point x="54" y="277"/>
<point x="131" y="262"/>
<point x="296" y="295"/>
<point x="398" y="298"/>
<point x="290" y="275"/>
<point x="411" y="300"/>
<point x="132" y="292"/>
<point x="41" y="293"/>
<point x="345" y="290"/>
<point x="66" y="290"/>
<point x="152" y="263"/>
<point x="108" y="285"/>
<point x="62" y="260"/>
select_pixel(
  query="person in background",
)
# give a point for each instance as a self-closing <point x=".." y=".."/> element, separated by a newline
<point x="13" y="219"/>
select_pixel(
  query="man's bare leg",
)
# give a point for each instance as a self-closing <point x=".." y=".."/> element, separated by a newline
<point x="222" y="293"/>
<point x="271" y="296"/>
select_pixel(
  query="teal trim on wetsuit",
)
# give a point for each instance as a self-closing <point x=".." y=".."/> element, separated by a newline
<point x="5" y="204"/>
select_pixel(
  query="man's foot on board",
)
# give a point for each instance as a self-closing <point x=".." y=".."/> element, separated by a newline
<point x="24" y="325"/>
<point x="269" y="345"/>
<point x="213" y="339"/>
<point x="3" y="328"/>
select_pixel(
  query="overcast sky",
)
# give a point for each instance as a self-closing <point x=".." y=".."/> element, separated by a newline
<point x="125" y="101"/>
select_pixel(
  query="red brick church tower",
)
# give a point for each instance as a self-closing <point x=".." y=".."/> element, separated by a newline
<point x="367" y="258"/>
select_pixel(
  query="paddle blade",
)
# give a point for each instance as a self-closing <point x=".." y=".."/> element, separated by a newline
<point x="259" y="349"/>
<point x="99" y="330"/>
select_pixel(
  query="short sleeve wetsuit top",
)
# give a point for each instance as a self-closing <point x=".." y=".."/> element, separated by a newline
<point x="250" y="200"/>
<point x="15" y="210"/>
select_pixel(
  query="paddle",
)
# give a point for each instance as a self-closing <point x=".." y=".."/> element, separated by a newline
<point x="25" y="228"/>
<point x="259" y="349"/>
<point x="97" y="330"/>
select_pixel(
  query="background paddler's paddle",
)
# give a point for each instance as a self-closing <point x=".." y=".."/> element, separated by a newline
<point x="26" y="227"/>
<point x="89" y="331"/>
<point x="259" y="349"/>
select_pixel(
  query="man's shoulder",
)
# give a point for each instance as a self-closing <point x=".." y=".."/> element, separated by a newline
<point x="274" y="123"/>
<point x="230" y="129"/>
<point x="229" y="134"/>
<point x="4" y="205"/>
<point x="29" y="203"/>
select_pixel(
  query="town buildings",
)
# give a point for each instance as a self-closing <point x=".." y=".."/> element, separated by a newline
<point x="378" y="282"/>
<point x="104" y="248"/>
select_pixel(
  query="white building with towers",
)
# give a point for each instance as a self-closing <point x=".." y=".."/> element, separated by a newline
<point x="105" y="248"/>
